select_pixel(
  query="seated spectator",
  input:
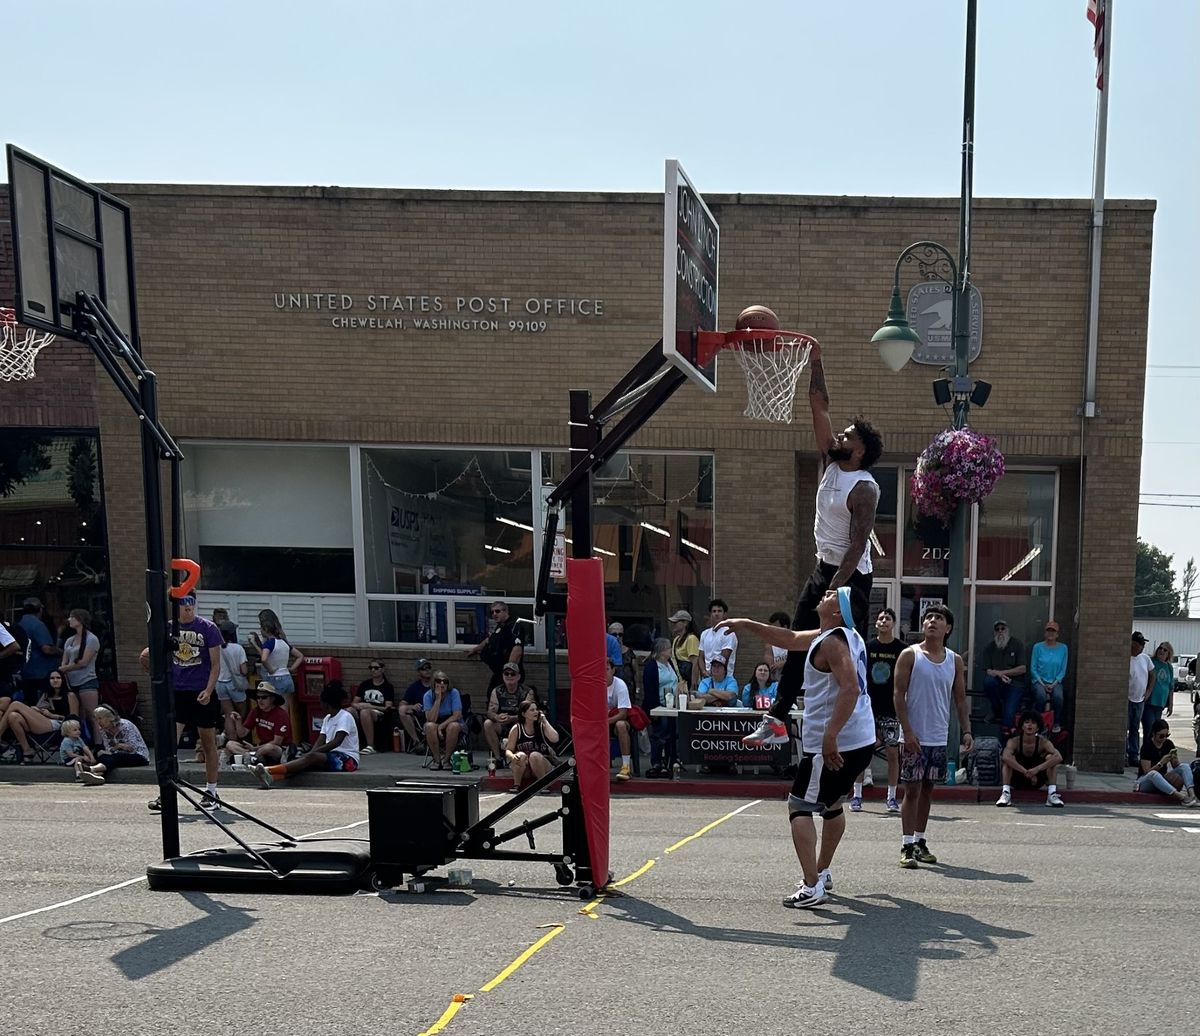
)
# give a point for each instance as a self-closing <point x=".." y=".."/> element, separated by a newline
<point x="1161" y="769"/>
<point x="336" y="749"/>
<point x="618" y="719"/>
<point x="1003" y="660"/>
<point x="660" y="683"/>
<point x="231" y="679"/>
<point x="759" y="693"/>
<point x="1047" y="670"/>
<point x="73" y="746"/>
<point x="502" y="709"/>
<point x="529" y="744"/>
<point x="717" y="689"/>
<point x="443" y="720"/>
<point x="263" y="736"/>
<point x="373" y="700"/>
<point x="776" y="656"/>
<point x="121" y="744"/>
<point x="411" y="711"/>
<point x="1030" y="761"/>
<point x="22" y="720"/>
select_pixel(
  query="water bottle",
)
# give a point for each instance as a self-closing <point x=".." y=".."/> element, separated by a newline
<point x="396" y="740"/>
<point x="676" y="770"/>
<point x="669" y="700"/>
<point x="950" y="768"/>
<point x="491" y="766"/>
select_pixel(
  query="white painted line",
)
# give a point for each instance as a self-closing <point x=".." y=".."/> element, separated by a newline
<point x="1180" y="815"/>
<point x="1022" y="823"/>
<point x="1191" y="830"/>
<point x="69" y="902"/>
<point x="1090" y="827"/>
<point x="330" y="830"/>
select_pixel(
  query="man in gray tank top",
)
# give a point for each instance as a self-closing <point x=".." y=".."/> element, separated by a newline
<point x="845" y="515"/>
<point x="928" y="677"/>
<point x="838" y="736"/>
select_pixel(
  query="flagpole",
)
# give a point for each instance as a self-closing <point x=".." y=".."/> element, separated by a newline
<point x="1097" y="219"/>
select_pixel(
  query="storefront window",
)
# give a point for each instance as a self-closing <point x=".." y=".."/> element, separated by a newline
<point x="926" y="540"/>
<point x="1024" y="608"/>
<point x="270" y="519"/>
<point x="885" y="524"/>
<point x="653" y="529"/>
<point x="1016" y="528"/>
<point x="53" y="544"/>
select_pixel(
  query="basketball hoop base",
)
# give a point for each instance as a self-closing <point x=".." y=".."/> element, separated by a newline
<point x="772" y="362"/>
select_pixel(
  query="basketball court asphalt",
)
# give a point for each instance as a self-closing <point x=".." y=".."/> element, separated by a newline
<point x="1048" y="921"/>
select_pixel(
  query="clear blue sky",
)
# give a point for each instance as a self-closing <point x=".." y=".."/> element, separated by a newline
<point x="589" y="96"/>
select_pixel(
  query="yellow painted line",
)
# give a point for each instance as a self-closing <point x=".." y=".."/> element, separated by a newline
<point x="635" y="875"/>
<point x="522" y="959"/>
<point x="708" y="827"/>
<point x="455" y="1006"/>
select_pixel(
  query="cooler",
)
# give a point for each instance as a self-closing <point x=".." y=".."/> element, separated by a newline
<point x="312" y="677"/>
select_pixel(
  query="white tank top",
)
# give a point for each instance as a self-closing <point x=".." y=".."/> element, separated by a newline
<point x="831" y="529"/>
<point x="820" y="695"/>
<point x="928" y="699"/>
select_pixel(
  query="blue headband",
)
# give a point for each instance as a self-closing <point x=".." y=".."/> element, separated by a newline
<point x="844" y="603"/>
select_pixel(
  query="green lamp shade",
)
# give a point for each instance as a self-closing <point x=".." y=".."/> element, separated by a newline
<point x="896" y="339"/>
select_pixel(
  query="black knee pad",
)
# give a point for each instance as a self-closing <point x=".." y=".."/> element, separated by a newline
<point x="830" y="814"/>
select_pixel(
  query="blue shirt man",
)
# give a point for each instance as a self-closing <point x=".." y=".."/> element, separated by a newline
<point x="43" y="655"/>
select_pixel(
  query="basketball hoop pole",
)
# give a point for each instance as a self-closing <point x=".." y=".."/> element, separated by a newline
<point x="139" y="385"/>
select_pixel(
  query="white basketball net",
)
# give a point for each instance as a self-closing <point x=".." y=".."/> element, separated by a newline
<point x="773" y="368"/>
<point x="19" y="349"/>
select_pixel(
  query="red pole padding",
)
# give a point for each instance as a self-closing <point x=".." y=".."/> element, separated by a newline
<point x="589" y="702"/>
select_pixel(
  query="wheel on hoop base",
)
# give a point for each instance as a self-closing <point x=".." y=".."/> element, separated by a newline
<point x="563" y="874"/>
<point x="586" y="891"/>
<point x="383" y="879"/>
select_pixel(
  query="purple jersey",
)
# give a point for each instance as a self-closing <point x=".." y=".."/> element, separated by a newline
<point x="190" y="662"/>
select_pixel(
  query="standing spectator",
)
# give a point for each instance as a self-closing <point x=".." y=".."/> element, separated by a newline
<point x="444" y="724"/>
<point x="685" y="649"/>
<point x="929" y="680"/>
<point x="1161" y="770"/>
<point x="79" y="667"/>
<point x="717" y="642"/>
<point x="121" y="745"/>
<point x="760" y="692"/>
<point x="411" y="711"/>
<point x="278" y="660"/>
<point x="1030" y="761"/>
<point x="232" y="684"/>
<point x="195" y="666"/>
<point x="11" y="660"/>
<point x="1047" y="670"/>
<point x="659" y="683"/>
<point x="502" y="645"/>
<point x="1163" y="690"/>
<point x="718" y="688"/>
<point x="373" y="700"/>
<point x="774" y="655"/>
<point x="503" y="709"/>
<point x="618" y="719"/>
<point x="1141" y="683"/>
<point x="264" y="735"/>
<point x="528" y="748"/>
<point x="336" y="750"/>
<point x="627" y="666"/>
<point x="882" y="651"/>
<point x="41" y="654"/>
<point x="1004" y="674"/>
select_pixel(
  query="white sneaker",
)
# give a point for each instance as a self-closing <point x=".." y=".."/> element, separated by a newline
<point x="770" y="731"/>
<point x="868" y="781"/>
<point x="1055" y="799"/>
<point x="264" y="778"/>
<point x="1005" y="798"/>
<point x="826" y="878"/>
<point x="805" y="897"/>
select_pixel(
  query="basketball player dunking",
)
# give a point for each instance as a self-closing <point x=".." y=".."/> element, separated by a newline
<point x="846" y="501"/>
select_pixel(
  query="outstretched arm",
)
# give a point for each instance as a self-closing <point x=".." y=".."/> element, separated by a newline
<point x="793" y="640"/>
<point x="862" y="502"/>
<point x="818" y="401"/>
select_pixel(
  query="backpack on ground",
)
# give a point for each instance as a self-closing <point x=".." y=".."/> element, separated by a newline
<point x="983" y="761"/>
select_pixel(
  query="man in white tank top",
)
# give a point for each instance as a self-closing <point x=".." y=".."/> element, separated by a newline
<point x="838" y="736"/>
<point x="928" y="677"/>
<point x="845" y="514"/>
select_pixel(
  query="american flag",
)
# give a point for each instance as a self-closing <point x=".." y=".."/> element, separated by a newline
<point x="1095" y="13"/>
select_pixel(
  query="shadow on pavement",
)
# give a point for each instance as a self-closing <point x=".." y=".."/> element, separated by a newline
<point x="886" y="937"/>
<point x="169" y="946"/>
<point x="971" y="874"/>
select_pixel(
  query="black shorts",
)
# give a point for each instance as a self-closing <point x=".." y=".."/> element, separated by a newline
<point x="191" y="713"/>
<point x="817" y="789"/>
<point x="1040" y="779"/>
<point x="860" y="598"/>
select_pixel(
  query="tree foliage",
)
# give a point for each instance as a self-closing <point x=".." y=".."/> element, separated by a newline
<point x="1154" y="592"/>
<point x="21" y="457"/>
<point x="1190" y="575"/>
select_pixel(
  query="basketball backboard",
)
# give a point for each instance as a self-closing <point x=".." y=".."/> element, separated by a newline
<point x="68" y="236"/>
<point x="691" y="254"/>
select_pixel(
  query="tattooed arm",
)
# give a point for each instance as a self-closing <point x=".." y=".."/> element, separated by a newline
<point x="818" y="401"/>
<point x="861" y="501"/>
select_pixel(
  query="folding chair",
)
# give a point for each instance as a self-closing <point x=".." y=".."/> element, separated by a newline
<point x="45" y="746"/>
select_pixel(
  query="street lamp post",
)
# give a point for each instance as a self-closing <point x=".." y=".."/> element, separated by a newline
<point x="897" y="338"/>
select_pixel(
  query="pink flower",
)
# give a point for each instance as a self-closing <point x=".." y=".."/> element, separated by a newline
<point x="959" y="466"/>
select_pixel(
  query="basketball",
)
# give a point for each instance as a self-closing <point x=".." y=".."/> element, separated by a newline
<point x="758" y="316"/>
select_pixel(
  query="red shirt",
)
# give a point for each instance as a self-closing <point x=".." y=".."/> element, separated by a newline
<point x="265" y="726"/>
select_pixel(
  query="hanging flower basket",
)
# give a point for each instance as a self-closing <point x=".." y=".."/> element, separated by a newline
<point x="958" y="467"/>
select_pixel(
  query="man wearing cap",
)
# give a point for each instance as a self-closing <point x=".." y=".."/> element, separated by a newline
<point x="195" y="666"/>
<point x="410" y="712"/>
<point x="1141" y="682"/>
<point x="626" y="661"/>
<point x="503" y="703"/>
<point x="837" y="736"/>
<point x="502" y="645"/>
<point x="42" y="654"/>
<point x="1003" y="661"/>
<point x="1047" y="670"/>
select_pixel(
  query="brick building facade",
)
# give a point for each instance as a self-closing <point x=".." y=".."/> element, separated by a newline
<point x="249" y="299"/>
